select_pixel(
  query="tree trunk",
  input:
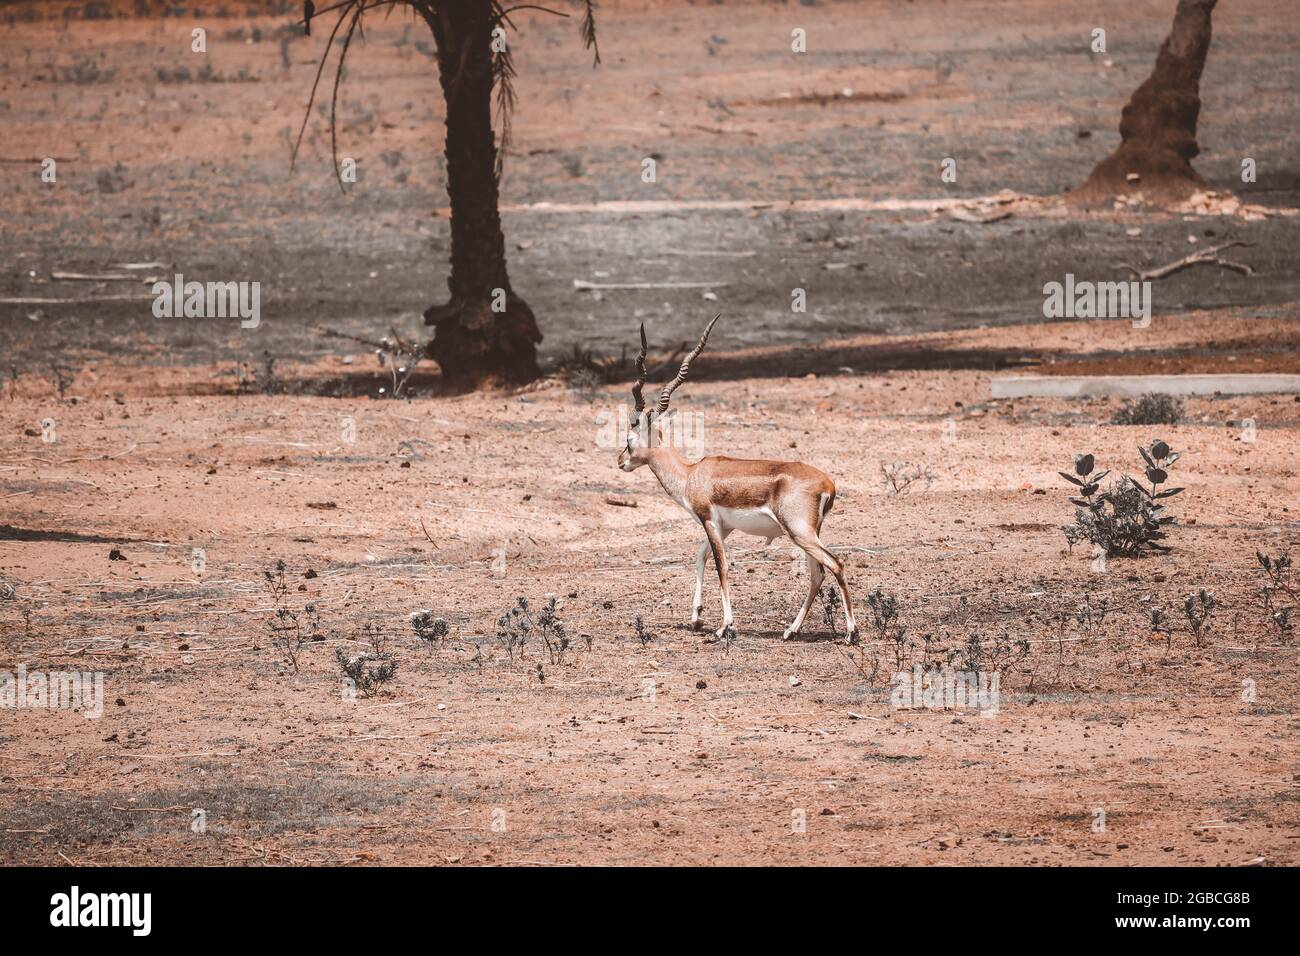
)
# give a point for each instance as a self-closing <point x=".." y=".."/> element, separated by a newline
<point x="484" y="334"/>
<point x="1158" y="126"/>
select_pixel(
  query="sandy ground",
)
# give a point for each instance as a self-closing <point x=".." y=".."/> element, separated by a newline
<point x="578" y="760"/>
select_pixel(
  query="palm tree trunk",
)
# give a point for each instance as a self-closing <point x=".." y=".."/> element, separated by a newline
<point x="484" y="334"/>
<point x="1158" y="126"/>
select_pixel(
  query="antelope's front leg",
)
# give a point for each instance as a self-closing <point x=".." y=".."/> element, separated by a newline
<point x="720" y="560"/>
<point x="697" y="605"/>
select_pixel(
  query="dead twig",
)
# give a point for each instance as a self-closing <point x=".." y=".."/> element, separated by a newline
<point x="426" y="533"/>
<point x="152" y="809"/>
<point x="1205" y="257"/>
<point x="373" y="343"/>
<point x="135" y="756"/>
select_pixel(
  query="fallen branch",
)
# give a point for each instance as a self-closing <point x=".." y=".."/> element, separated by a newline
<point x="373" y="343"/>
<point x="39" y="300"/>
<point x="426" y="533"/>
<point x="978" y="216"/>
<point x="1206" y="257"/>
<point x="583" y="286"/>
<point x="719" y="131"/>
<point x="69" y="461"/>
<point x="152" y="809"/>
<point x="134" y="756"/>
<point x="102" y="277"/>
<point x="486" y="511"/>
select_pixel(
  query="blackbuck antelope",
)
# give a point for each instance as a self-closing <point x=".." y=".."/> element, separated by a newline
<point x="763" y="498"/>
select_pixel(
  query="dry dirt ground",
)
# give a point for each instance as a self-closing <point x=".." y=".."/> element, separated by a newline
<point x="183" y="159"/>
<point x="468" y="757"/>
<point x="170" y="437"/>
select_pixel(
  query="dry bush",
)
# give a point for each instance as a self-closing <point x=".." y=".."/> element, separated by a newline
<point x="1153" y="408"/>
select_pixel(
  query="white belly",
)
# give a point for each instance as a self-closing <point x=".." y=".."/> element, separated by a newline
<point x="756" y="521"/>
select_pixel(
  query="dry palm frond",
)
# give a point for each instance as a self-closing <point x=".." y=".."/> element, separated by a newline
<point x="589" y="31"/>
<point x="320" y="69"/>
<point x="503" y="69"/>
<point x="503" y="78"/>
<point x="334" y="96"/>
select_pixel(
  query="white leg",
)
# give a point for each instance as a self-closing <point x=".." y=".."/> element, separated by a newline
<point x="815" y="575"/>
<point x="802" y="534"/>
<point x="697" y="605"/>
<point x="716" y="538"/>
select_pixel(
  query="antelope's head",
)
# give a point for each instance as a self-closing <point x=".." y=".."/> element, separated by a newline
<point x="646" y="428"/>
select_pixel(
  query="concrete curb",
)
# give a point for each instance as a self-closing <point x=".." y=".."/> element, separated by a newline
<point x="1089" y="386"/>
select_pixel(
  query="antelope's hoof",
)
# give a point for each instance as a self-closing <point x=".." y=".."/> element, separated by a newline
<point x="853" y="637"/>
<point x="789" y="633"/>
<point x="727" y="633"/>
<point x="697" y="624"/>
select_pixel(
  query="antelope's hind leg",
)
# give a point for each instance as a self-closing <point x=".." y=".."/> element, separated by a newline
<point x="802" y="531"/>
<point x="815" y="576"/>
